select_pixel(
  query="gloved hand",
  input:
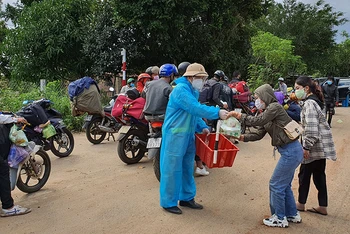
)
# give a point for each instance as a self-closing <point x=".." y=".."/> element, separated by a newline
<point x="223" y="114"/>
<point x="235" y="114"/>
<point x="205" y="131"/>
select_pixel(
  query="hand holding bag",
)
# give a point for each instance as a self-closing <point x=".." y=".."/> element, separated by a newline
<point x="17" y="136"/>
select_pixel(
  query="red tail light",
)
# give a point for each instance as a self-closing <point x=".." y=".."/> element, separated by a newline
<point x="156" y="124"/>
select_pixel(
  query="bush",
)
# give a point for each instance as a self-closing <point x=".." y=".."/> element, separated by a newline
<point x="13" y="94"/>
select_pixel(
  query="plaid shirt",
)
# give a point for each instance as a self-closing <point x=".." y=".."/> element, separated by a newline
<point x="317" y="135"/>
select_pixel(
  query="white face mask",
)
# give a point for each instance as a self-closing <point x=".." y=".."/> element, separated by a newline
<point x="197" y="84"/>
<point x="259" y="105"/>
<point x="156" y="78"/>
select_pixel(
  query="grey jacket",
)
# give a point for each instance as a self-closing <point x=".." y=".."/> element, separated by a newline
<point x="270" y="121"/>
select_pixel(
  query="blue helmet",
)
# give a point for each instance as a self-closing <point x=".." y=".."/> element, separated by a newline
<point x="167" y="70"/>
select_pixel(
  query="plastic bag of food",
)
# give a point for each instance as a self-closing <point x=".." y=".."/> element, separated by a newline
<point x="16" y="156"/>
<point x="231" y="127"/>
<point x="17" y="136"/>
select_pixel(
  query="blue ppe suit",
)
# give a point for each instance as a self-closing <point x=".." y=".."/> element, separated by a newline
<point x="183" y="118"/>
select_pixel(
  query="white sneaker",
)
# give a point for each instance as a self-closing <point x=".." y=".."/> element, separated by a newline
<point x="202" y="172"/>
<point x="274" y="221"/>
<point x="295" y="219"/>
<point x="16" y="210"/>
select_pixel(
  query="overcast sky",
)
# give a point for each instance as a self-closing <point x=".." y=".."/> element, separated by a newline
<point x="338" y="5"/>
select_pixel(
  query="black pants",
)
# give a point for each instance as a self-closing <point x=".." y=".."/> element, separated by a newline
<point x="330" y="111"/>
<point x="317" y="170"/>
<point x="5" y="186"/>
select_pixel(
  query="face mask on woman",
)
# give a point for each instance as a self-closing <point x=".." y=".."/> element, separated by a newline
<point x="259" y="104"/>
<point x="329" y="82"/>
<point x="300" y="94"/>
<point x="132" y="85"/>
<point x="197" y="84"/>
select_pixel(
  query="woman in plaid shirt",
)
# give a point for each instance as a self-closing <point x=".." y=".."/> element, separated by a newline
<point x="317" y="143"/>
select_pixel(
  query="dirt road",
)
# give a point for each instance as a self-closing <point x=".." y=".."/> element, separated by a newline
<point x="92" y="191"/>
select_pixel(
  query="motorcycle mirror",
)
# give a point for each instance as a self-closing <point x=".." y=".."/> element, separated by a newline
<point x="111" y="89"/>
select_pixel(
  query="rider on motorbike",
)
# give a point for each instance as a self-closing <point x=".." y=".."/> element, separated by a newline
<point x="157" y="92"/>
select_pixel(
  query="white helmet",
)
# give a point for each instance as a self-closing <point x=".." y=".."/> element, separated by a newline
<point x="281" y="79"/>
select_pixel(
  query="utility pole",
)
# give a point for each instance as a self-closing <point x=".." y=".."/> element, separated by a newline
<point x="123" y="54"/>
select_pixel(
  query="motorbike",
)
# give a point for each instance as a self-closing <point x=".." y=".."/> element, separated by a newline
<point x="97" y="126"/>
<point x="132" y="139"/>
<point x="155" y="124"/>
<point x="62" y="143"/>
<point x="31" y="174"/>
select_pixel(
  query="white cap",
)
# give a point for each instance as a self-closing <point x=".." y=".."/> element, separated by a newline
<point x="280" y="79"/>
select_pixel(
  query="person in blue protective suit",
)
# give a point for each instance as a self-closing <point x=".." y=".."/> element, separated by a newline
<point x="182" y="119"/>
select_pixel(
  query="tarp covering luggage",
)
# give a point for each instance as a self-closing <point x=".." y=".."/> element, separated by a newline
<point x="85" y="96"/>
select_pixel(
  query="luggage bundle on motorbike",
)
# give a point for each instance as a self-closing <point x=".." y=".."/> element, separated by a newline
<point x="133" y="135"/>
<point x="34" y="114"/>
<point x="85" y="97"/>
<point x="46" y="127"/>
<point x="128" y="106"/>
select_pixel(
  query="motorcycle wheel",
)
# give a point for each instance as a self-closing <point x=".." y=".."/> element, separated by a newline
<point x="156" y="165"/>
<point x="93" y="132"/>
<point x="34" y="173"/>
<point x="129" y="153"/>
<point x="63" y="140"/>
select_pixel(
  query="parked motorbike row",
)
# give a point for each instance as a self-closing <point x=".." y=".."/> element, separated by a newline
<point x="45" y="131"/>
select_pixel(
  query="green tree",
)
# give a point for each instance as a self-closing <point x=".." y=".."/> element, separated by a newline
<point x="103" y="41"/>
<point x="341" y="59"/>
<point x="310" y="27"/>
<point x="48" y="40"/>
<point x="207" y="31"/>
<point x="274" y="57"/>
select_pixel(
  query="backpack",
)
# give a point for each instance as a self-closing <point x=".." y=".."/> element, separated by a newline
<point x="206" y="94"/>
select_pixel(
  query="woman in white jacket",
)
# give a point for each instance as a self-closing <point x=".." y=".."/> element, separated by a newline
<point x="317" y="143"/>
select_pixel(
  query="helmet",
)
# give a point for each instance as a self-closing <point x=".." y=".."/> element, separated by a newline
<point x="168" y="70"/>
<point x="149" y="70"/>
<point x="195" y="69"/>
<point x="143" y="76"/>
<point x="219" y="74"/>
<point x="281" y="79"/>
<point x="152" y="70"/>
<point x="182" y="67"/>
<point x="130" y="80"/>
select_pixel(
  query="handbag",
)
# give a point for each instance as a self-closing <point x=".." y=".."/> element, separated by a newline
<point x="292" y="129"/>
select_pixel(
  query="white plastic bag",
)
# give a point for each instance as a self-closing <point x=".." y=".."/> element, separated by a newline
<point x="231" y="127"/>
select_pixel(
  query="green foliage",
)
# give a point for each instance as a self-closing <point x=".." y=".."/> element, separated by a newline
<point x="273" y="58"/>
<point x="206" y="31"/>
<point x="102" y="43"/>
<point x="341" y="59"/>
<point x="13" y="94"/>
<point x="47" y="43"/>
<point x="310" y="27"/>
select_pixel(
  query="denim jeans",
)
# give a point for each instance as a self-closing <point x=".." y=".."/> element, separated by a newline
<point x="282" y="202"/>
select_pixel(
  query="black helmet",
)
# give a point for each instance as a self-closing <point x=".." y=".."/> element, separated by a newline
<point x="149" y="71"/>
<point x="182" y="67"/>
<point x="219" y="74"/>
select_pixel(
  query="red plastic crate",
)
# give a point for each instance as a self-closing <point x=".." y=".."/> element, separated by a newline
<point x="227" y="151"/>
